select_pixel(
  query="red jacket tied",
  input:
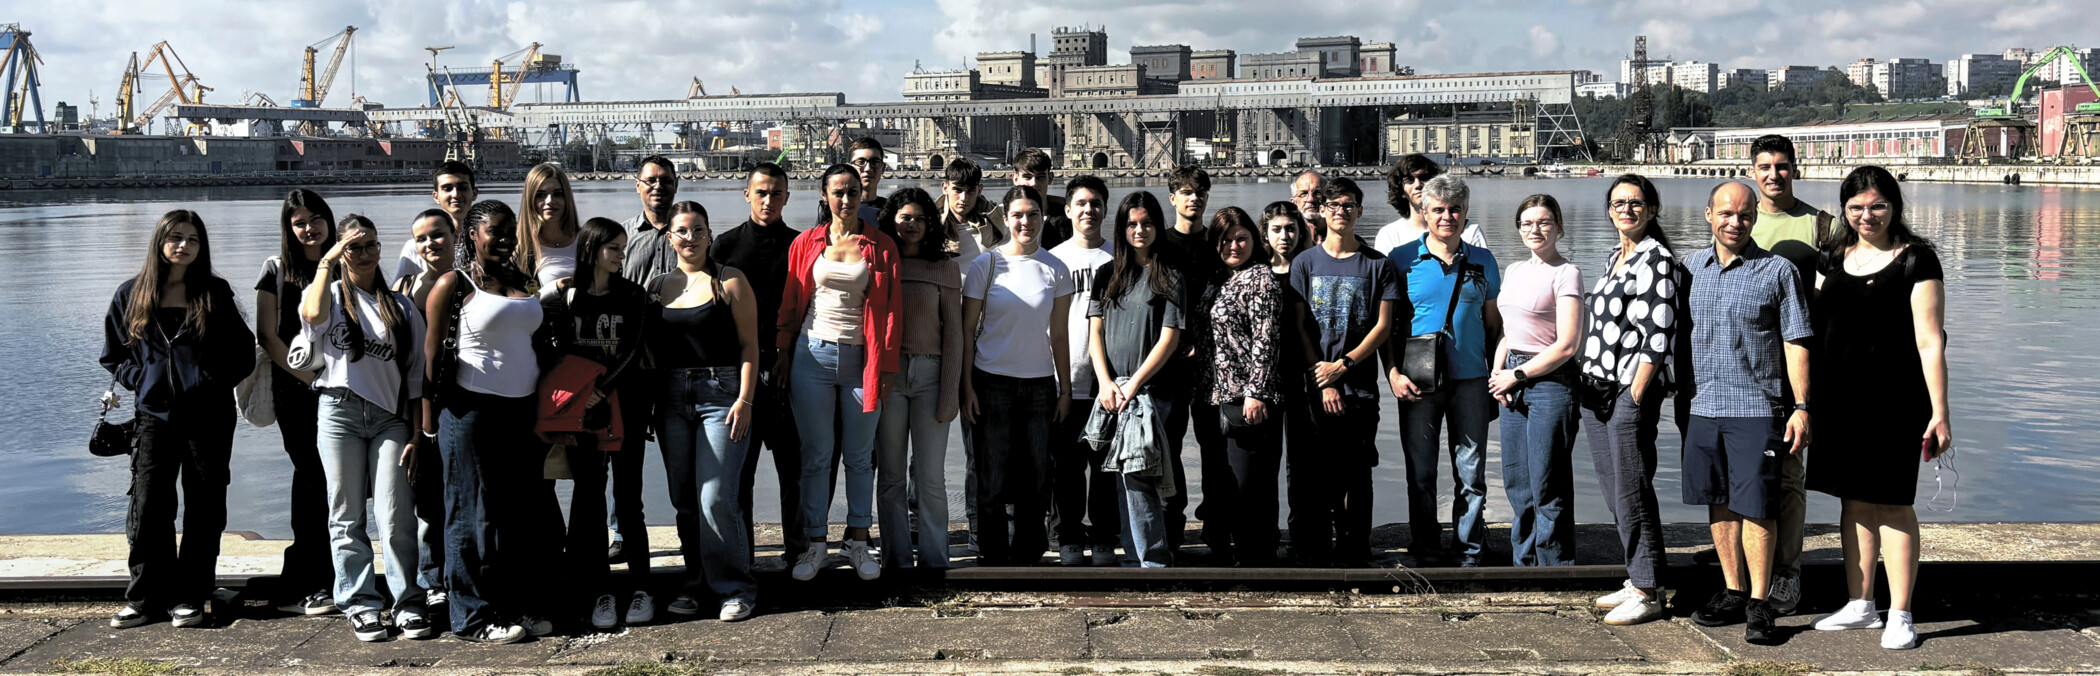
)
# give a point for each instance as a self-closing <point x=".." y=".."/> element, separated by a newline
<point x="563" y="392"/>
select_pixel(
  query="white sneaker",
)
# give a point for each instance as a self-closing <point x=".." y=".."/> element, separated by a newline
<point x="1785" y="594"/>
<point x="1900" y="634"/>
<point x="1636" y="610"/>
<point x="807" y="564"/>
<point x="1857" y="614"/>
<point x="734" y="610"/>
<point x="1071" y="555"/>
<point x="642" y="610"/>
<point x="1624" y="594"/>
<point x="435" y="598"/>
<point x="862" y="558"/>
<point x="604" y="615"/>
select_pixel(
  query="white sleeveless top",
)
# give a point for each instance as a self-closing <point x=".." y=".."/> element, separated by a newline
<point x="495" y="345"/>
<point x="556" y="263"/>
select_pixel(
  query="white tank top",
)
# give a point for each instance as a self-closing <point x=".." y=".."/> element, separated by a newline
<point x="556" y="263"/>
<point x="835" y="306"/>
<point x="495" y="345"/>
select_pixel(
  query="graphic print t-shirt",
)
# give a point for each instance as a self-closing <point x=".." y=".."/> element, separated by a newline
<point x="1341" y="299"/>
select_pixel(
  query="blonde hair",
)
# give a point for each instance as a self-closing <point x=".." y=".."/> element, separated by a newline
<point x="542" y="176"/>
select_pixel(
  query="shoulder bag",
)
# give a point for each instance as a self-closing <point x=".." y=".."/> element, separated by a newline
<point x="111" y="439"/>
<point x="446" y="366"/>
<point x="1422" y="358"/>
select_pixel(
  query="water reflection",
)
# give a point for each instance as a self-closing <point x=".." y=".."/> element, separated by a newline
<point x="2022" y="304"/>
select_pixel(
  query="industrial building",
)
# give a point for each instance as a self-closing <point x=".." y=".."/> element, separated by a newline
<point x="1909" y="139"/>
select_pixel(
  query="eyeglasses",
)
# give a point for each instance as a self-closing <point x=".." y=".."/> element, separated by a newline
<point x="658" y="182"/>
<point x="866" y="163"/>
<point x="1629" y="205"/>
<point x="1340" y="206"/>
<point x="1535" y="226"/>
<point x="1877" y="208"/>
<point x="365" y="249"/>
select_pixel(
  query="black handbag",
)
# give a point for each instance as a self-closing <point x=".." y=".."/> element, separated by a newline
<point x="111" y="439"/>
<point x="446" y="365"/>
<point x="1422" y="357"/>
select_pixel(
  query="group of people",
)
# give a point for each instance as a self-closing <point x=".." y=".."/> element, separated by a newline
<point x="1077" y="336"/>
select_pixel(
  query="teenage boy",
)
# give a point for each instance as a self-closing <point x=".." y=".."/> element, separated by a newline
<point x="1080" y="490"/>
<point x="452" y="187"/>
<point x="1192" y="250"/>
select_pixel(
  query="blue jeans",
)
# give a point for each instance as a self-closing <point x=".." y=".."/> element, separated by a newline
<point x="913" y="455"/>
<point x="494" y="534"/>
<point x="1013" y="466"/>
<point x="825" y="384"/>
<point x="1467" y="405"/>
<point x="361" y="446"/>
<point x="1144" y="531"/>
<point x="1538" y="438"/>
<point x="703" y="466"/>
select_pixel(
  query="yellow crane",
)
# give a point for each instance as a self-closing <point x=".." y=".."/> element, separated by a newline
<point x="125" y="94"/>
<point x="312" y="90"/>
<point x="504" y="88"/>
<point x="184" y="88"/>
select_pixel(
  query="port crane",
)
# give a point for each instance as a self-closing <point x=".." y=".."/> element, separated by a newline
<point x="686" y="135"/>
<point x="184" y="87"/>
<point x="19" y="79"/>
<point x="503" y="88"/>
<point x="312" y="90"/>
<point x="2016" y="132"/>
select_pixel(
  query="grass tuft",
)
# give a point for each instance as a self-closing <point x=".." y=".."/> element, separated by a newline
<point x="1767" y="669"/>
<point x="119" y="666"/>
<point x="649" y="669"/>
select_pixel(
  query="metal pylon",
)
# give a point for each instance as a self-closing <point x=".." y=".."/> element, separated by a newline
<point x="1557" y="127"/>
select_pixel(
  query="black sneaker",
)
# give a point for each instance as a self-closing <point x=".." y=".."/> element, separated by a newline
<point x="684" y="605"/>
<point x="1757" y="625"/>
<point x="614" y="550"/>
<point x="368" y="626"/>
<point x="317" y="603"/>
<point x="127" y="617"/>
<point x="495" y="632"/>
<point x="1725" y="608"/>
<point x="535" y="626"/>
<point x="416" y="627"/>
<point x="185" y="615"/>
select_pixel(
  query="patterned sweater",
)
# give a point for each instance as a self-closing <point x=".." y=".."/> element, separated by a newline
<point x="1245" y="336"/>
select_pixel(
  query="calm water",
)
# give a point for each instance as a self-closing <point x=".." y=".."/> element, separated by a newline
<point x="2021" y="276"/>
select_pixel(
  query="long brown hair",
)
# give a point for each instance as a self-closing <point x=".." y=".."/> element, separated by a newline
<point x="291" y="254"/>
<point x="390" y="314"/>
<point x="196" y="279"/>
<point x="543" y="176"/>
<point x="1124" y="268"/>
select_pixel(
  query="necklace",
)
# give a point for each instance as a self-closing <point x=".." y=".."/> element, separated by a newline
<point x="1866" y="260"/>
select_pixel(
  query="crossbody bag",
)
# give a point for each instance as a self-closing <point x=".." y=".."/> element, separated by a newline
<point x="1422" y="358"/>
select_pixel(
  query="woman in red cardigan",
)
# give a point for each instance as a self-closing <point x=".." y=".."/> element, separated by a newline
<point x="838" y="317"/>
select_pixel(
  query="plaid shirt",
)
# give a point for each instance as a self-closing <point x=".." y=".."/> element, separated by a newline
<point x="1742" y="314"/>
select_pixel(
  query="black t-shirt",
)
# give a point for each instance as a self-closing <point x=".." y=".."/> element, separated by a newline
<point x="608" y="328"/>
<point x="288" y="296"/>
<point x="761" y="253"/>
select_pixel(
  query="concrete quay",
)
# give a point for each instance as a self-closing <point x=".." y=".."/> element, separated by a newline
<point x="2006" y="174"/>
<point x="1993" y="599"/>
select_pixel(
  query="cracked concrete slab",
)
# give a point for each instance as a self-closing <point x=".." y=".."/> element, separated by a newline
<point x="918" y="634"/>
<point x="2012" y="643"/>
<point x="1233" y="635"/>
<point x="1485" y="636"/>
<point x="18" y="636"/>
<point x="242" y="644"/>
<point x="788" y="637"/>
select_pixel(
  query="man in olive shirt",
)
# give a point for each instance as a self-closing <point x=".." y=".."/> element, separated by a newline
<point x="1793" y="230"/>
<point x="759" y="249"/>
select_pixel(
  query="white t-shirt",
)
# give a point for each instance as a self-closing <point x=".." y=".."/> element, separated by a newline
<point x="557" y="262"/>
<point x="411" y="263"/>
<point x="377" y="376"/>
<point x="1403" y="231"/>
<point x="1019" y="293"/>
<point x="967" y="249"/>
<point x="1082" y="262"/>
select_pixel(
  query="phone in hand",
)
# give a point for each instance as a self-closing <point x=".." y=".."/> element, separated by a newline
<point x="1929" y="449"/>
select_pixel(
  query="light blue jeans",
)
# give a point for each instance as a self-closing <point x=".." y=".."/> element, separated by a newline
<point x="913" y="446"/>
<point x="1145" y="537"/>
<point x="1468" y="407"/>
<point x="825" y="385"/>
<point x="1538" y="442"/>
<point x="708" y="467"/>
<point x="361" y="446"/>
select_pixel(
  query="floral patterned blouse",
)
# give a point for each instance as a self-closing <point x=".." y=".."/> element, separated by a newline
<point x="1245" y="336"/>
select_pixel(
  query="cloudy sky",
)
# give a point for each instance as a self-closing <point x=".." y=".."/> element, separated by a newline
<point x="651" y="50"/>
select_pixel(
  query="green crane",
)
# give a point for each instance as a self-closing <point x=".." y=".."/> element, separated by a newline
<point x="2012" y="104"/>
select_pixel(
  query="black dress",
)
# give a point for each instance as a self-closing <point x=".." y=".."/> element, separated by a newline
<point x="1868" y="381"/>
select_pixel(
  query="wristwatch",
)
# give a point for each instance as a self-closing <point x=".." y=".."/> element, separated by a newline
<point x="1519" y="373"/>
<point x="1801" y="407"/>
<point x="1347" y="362"/>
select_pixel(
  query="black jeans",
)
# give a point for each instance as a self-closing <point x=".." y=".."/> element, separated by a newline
<point x="637" y="409"/>
<point x="496" y="537"/>
<point x="194" y="447"/>
<point x="1210" y="446"/>
<point x="1013" y="466"/>
<point x="1331" y="485"/>
<point x="774" y="428"/>
<point x="309" y="565"/>
<point x="1246" y="508"/>
<point x="1085" y="509"/>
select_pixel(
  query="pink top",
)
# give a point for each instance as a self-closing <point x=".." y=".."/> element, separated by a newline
<point x="1529" y="293"/>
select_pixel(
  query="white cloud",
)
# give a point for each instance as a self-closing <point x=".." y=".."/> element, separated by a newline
<point x="1543" y="42"/>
